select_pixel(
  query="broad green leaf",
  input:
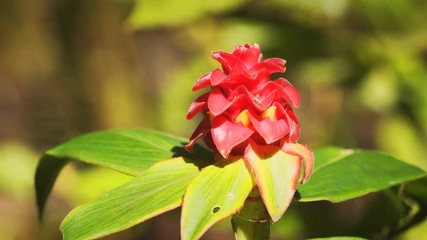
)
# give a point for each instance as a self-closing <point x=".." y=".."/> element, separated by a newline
<point x="219" y="191"/>
<point x="158" y="190"/>
<point x="327" y="155"/>
<point x="353" y="174"/>
<point x="130" y="151"/>
<point x="46" y="174"/>
<point x="276" y="174"/>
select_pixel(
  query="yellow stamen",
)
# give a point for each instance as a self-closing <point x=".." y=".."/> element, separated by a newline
<point x="269" y="113"/>
<point x="243" y="117"/>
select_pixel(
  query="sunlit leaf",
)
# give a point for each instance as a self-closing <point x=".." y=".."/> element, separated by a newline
<point x="276" y="174"/>
<point x="129" y="151"/>
<point x="346" y="175"/>
<point x="216" y="193"/>
<point x="158" y="190"/>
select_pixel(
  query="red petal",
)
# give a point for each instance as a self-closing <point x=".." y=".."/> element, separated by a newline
<point x="258" y="102"/>
<point x="238" y="78"/>
<point x="277" y="61"/>
<point x="246" y="58"/>
<point x="271" y="131"/>
<point x="209" y="79"/>
<point x="227" y="60"/>
<point x="203" y="128"/>
<point x="254" y="49"/>
<point x="294" y="126"/>
<point x="305" y="155"/>
<point x="217" y="77"/>
<point x="291" y="94"/>
<point x="226" y="135"/>
<point x="198" y="105"/>
<point x="217" y="102"/>
<point x="269" y="67"/>
<point x="285" y="91"/>
<point x="289" y="116"/>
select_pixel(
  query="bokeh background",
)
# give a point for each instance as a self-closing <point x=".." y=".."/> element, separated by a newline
<point x="72" y="66"/>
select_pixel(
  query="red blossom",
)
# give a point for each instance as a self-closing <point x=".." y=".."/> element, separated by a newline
<point x="244" y="104"/>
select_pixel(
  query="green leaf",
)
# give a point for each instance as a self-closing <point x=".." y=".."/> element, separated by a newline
<point x="341" y="175"/>
<point x="219" y="191"/>
<point x="158" y="190"/>
<point x="46" y="174"/>
<point x="276" y="174"/>
<point x="328" y="155"/>
<point x="130" y="151"/>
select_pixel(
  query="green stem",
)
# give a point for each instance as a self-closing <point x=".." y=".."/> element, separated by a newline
<point x="253" y="221"/>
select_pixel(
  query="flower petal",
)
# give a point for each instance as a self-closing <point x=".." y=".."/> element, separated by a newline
<point x="217" y="102"/>
<point x="305" y="155"/>
<point x="226" y="134"/>
<point x="208" y="79"/>
<point x="227" y="60"/>
<point x="271" y="131"/>
<point x="276" y="61"/>
<point x="291" y="94"/>
<point x="272" y="66"/>
<point x="259" y="102"/>
<point x="217" y="77"/>
<point x="294" y="127"/>
<point x="246" y="58"/>
<point x="276" y="174"/>
<point x="254" y="49"/>
<point x="285" y="91"/>
<point x="198" y="105"/>
<point x="201" y="130"/>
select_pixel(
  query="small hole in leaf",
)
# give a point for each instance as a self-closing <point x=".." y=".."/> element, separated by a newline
<point x="230" y="196"/>
<point x="216" y="209"/>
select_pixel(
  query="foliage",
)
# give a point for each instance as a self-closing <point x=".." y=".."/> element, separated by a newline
<point x="340" y="175"/>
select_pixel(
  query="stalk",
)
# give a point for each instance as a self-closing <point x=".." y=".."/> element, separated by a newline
<point x="253" y="221"/>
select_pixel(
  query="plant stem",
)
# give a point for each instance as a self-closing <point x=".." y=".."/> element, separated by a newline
<point x="253" y="221"/>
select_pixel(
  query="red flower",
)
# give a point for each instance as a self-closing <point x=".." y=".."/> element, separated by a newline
<point x="247" y="115"/>
<point x="245" y="105"/>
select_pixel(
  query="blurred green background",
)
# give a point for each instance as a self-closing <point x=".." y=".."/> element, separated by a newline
<point x="72" y="66"/>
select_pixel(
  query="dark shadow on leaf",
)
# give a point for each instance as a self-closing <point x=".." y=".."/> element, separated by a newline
<point x="200" y="156"/>
<point x="297" y="195"/>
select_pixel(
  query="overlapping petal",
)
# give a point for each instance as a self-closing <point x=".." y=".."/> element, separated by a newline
<point x="271" y="131"/>
<point x="304" y="153"/>
<point x="202" y="129"/>
<point x="226" y="134"/>
<point x="209" y="79"/>
<point x="198" y="105"/>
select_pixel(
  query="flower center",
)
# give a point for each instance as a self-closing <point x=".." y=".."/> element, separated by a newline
<point x="243" y="117"/>
<point x="269" y="113"/>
